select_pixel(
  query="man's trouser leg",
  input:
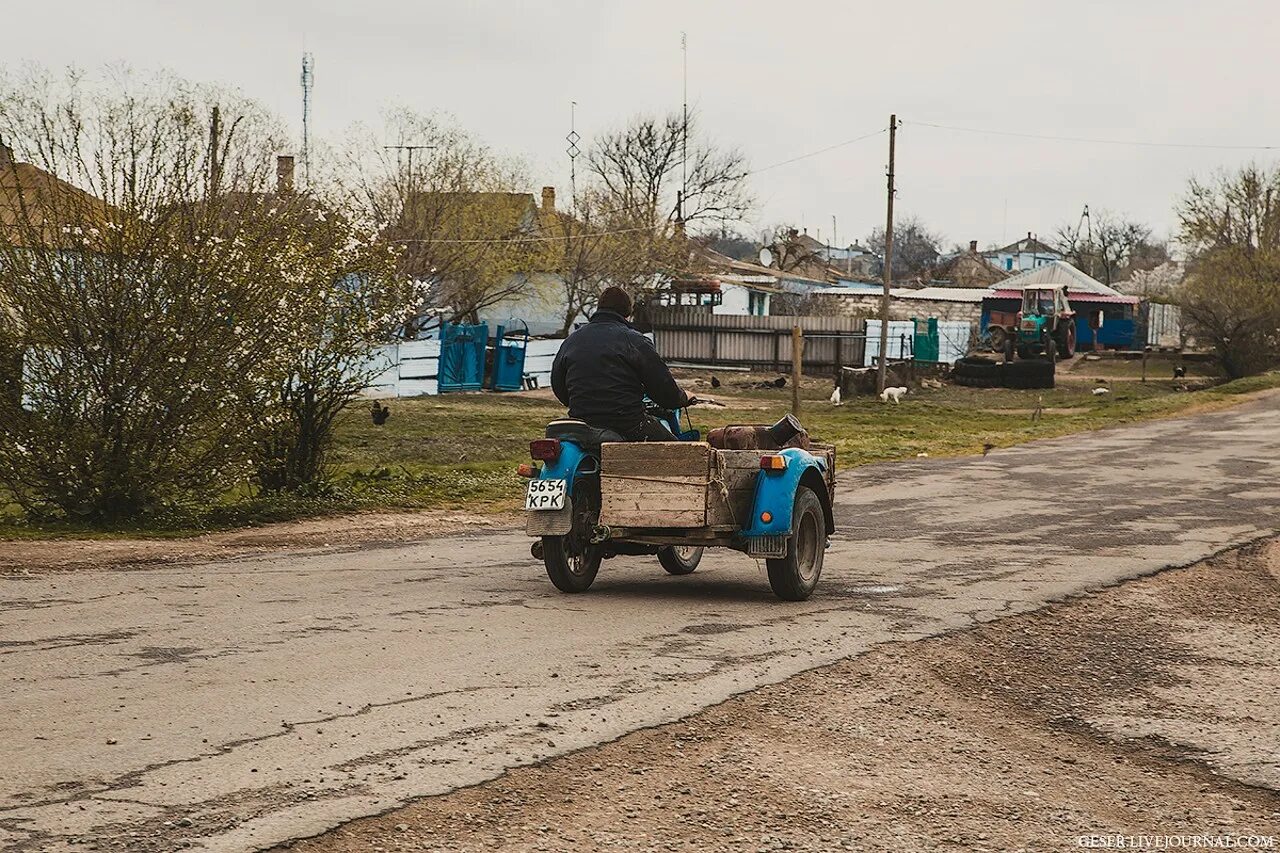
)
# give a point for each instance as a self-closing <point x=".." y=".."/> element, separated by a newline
<point x="652" y="429"/>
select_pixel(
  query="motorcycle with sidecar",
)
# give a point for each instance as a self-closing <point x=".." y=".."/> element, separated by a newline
<point x="766" y="491"/>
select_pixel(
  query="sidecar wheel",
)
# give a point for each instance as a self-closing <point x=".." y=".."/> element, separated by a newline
<point x="680" y="559"/>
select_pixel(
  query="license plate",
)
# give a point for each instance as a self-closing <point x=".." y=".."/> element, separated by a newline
<point x="545" y="494"/>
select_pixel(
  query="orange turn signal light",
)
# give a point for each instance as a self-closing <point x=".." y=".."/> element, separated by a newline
<point x="766" y="516"/>
<point x="527" y="469"/>
<point x="773" y="463"/>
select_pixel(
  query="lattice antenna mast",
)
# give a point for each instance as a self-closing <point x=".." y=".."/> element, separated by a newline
<point x="308" y="80"/>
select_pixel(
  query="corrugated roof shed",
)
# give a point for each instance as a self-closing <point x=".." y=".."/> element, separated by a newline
<point x="1058" y="273"/>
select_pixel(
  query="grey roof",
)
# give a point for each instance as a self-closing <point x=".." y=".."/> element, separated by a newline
<point x="945" y="294"/>
<point x="1026" y="244"/>
<point x="1056" y="273"/>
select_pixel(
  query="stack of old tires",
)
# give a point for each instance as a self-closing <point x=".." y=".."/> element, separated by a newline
<point x="976" y="371"/>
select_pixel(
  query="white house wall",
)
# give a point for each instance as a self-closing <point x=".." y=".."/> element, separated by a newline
<point x="540" y="305"/>
<point x="735" y="300"/>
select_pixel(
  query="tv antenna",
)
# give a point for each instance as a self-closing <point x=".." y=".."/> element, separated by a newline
<point x="573" y="151"/>
<point x="684" y="124"/>
<point x="411" y="149"/>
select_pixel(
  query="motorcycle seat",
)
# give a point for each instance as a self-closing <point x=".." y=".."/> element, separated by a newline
<point x="581" y="433"/>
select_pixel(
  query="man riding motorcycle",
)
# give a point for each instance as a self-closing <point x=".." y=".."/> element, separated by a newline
<point x="605" y="369"/>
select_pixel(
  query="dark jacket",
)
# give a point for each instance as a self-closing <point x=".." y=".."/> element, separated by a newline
<point x="604" y="370"/>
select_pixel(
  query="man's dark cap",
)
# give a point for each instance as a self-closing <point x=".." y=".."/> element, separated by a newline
<point x="615" y="299"/>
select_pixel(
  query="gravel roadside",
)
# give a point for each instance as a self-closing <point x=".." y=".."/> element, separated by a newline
<point x="1146" y="708"/>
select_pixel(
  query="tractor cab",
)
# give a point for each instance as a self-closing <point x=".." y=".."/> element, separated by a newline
<point x="1046" y="323"/>
<point x="1043" y="302"/>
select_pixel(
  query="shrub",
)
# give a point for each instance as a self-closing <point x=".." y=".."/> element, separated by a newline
<point x="145" y="274"/>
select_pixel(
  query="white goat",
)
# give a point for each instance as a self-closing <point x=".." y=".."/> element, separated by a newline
<point x="894" y="394"/>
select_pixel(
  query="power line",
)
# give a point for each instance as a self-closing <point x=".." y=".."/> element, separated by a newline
<point x="552" y="239"/>
<point x="555" y="238"/>
<point x="819" y="151"/>
<point x="1096" y="140"/>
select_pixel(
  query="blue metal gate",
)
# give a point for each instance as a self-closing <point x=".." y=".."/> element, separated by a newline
<point x="462" y="357"/>
<point x="508" y="358"/>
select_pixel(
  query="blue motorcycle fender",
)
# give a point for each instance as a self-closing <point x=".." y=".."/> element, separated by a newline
<point x="776" y="493"/>
<point x="566" y="465"/>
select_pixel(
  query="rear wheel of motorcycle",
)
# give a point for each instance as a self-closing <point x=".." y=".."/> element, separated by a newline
<point x="680" y="559"/>
<point x="571" y="560"/>
<point x="570" y="572"/>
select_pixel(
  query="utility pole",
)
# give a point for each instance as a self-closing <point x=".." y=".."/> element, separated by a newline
<point x="1088" y="219"/>
<point x="888" y="265"/>
<point x="797" y="367"/>
<point x="215" y="134"/>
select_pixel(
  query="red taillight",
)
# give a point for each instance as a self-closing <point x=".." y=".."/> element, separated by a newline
<point x="545" y="449"/>
<point x="773" y="463"/>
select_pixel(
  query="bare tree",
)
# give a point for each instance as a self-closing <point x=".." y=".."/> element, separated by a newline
<point x="581" y="252"/>
<point x="645" y="175"/>
<point x="1109" y="247"/>
<point x="653" y="197"/>
<point x="915" y="246"/>
<point x="456" y="209"/>
<point x="1239" y="210"/>
<point x="793" y="250"/>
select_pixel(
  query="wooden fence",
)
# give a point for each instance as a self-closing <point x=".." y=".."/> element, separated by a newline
<point x="691" y="335"/>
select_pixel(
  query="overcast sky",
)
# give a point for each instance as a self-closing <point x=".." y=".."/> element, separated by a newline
<point x="774" y="79"/>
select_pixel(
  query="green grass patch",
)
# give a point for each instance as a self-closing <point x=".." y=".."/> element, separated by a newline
<point x="459" y="452"/>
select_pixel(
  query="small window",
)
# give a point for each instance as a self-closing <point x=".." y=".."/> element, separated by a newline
<point x="1008" y="263"/>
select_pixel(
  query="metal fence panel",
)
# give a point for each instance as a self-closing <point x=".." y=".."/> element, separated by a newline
<point x="689" y="334"/>
<point x="901" y="340"/>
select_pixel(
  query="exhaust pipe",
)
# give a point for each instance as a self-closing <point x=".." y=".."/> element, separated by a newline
<point x="536" y="549"/>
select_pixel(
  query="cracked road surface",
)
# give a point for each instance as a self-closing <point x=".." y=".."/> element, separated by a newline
<point x="236" y="704"/>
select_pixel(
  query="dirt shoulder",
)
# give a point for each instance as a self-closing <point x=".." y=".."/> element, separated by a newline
<point x="1147" y="708"/>
<point x="339" y="532"/>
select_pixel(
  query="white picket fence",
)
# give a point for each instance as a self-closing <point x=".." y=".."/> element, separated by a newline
<point x="412" y="368"/>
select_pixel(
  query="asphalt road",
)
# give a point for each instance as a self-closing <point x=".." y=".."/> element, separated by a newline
<point x="236" y="704"/>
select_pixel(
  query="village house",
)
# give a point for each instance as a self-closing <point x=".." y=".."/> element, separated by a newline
<point x="1025" y="254"/>
<point x="965" y="269"/>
